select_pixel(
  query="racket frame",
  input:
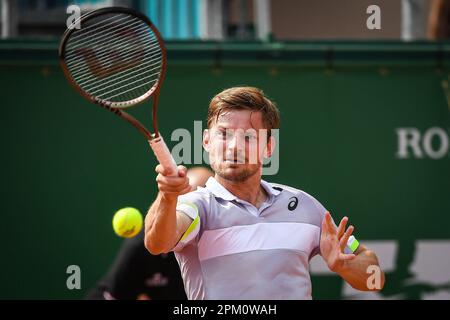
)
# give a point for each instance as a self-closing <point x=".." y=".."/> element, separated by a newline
<point x="112" y="106"/>
<point x="155" y="140"/>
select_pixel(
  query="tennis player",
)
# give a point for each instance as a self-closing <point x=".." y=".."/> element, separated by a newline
<point x="241" y="237"/>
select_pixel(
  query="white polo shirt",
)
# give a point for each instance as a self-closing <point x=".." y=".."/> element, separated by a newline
<point x="233" y="250"/>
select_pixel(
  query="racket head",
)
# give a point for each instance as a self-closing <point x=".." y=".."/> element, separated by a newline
<point x="116" y="59"/>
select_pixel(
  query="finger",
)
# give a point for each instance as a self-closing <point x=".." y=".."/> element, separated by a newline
<point x="342" y="226"/>
<point x="327" y="224"/>
<point x="162" y="170"/>
<point x="171" y="181"/>
<point x="186" y="190"/>
<point x="182" y="170"/>
<point x="174" y="190"/>
<point x="167" y="171"/>
<point x="350" y="256"/>
<point x="344" y="239"/>
<point x="159" y="169"/>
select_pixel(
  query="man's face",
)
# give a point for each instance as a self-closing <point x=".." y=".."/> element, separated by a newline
<point x="236" y="143"/>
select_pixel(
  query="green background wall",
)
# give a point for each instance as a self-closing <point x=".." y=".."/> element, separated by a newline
<point x="67" y="165"/>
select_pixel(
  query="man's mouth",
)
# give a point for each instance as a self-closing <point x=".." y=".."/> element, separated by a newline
<point x="235" y="161"/>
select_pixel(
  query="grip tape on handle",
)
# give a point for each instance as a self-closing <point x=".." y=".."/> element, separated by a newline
<point x="163" y="155"/>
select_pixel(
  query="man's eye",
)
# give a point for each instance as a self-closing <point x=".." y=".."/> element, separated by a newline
<point x="226" y="134"/>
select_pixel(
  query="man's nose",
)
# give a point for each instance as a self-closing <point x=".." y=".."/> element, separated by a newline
<point x="236" y="143"/>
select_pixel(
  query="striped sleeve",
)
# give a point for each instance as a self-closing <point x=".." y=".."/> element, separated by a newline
<point x="191" y="205"/>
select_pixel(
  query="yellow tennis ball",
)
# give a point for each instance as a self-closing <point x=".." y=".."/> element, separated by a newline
<point x="127" y="222"/>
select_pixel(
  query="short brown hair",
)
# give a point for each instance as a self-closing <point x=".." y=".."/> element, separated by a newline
<point x="244" y="98"/>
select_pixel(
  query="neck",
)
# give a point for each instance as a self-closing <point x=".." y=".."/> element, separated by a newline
<point x="245" y="190"/>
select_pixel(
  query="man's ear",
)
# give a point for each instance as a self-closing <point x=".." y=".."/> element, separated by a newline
<point x="270" y="147"/>
<point x="206" y="140"/>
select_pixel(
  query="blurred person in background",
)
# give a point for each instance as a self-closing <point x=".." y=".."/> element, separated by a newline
<point x="439" y="20"/>
<point x="414" y="20"/>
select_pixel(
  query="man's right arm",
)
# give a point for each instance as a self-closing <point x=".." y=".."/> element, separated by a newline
<point x="164" y="226"/>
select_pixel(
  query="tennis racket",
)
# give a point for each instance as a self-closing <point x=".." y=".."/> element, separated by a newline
<point x="117" y="59"/>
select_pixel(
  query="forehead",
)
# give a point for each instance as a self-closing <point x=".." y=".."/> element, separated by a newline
<point x="239" y="119"/>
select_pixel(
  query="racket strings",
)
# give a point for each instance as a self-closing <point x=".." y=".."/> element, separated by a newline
<point x="99" y="39"/>
<point x="97" y="29"/>
<point x="115" y="58"/>
<point x="91" y="82"/>
<point x="74" y="53"/>
<point x="86" y="79"/>
<point x="124" y="50"/>
<point x="107" y="61"/>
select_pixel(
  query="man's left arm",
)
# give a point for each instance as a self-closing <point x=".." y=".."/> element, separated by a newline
<point x="360" y="268"/>
<point x="359" y="272"/>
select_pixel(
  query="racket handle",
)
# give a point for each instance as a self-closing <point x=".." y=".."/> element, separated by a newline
<point x="163" y="155"/>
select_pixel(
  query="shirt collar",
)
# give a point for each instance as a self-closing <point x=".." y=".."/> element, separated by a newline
<point x="271" y="191"/>
<point x="221" y="192"/>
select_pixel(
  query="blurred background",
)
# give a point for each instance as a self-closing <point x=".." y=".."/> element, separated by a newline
<point x="365" y="116"/>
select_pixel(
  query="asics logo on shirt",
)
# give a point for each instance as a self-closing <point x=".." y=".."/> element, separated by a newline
<point x="292" y="203"/>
